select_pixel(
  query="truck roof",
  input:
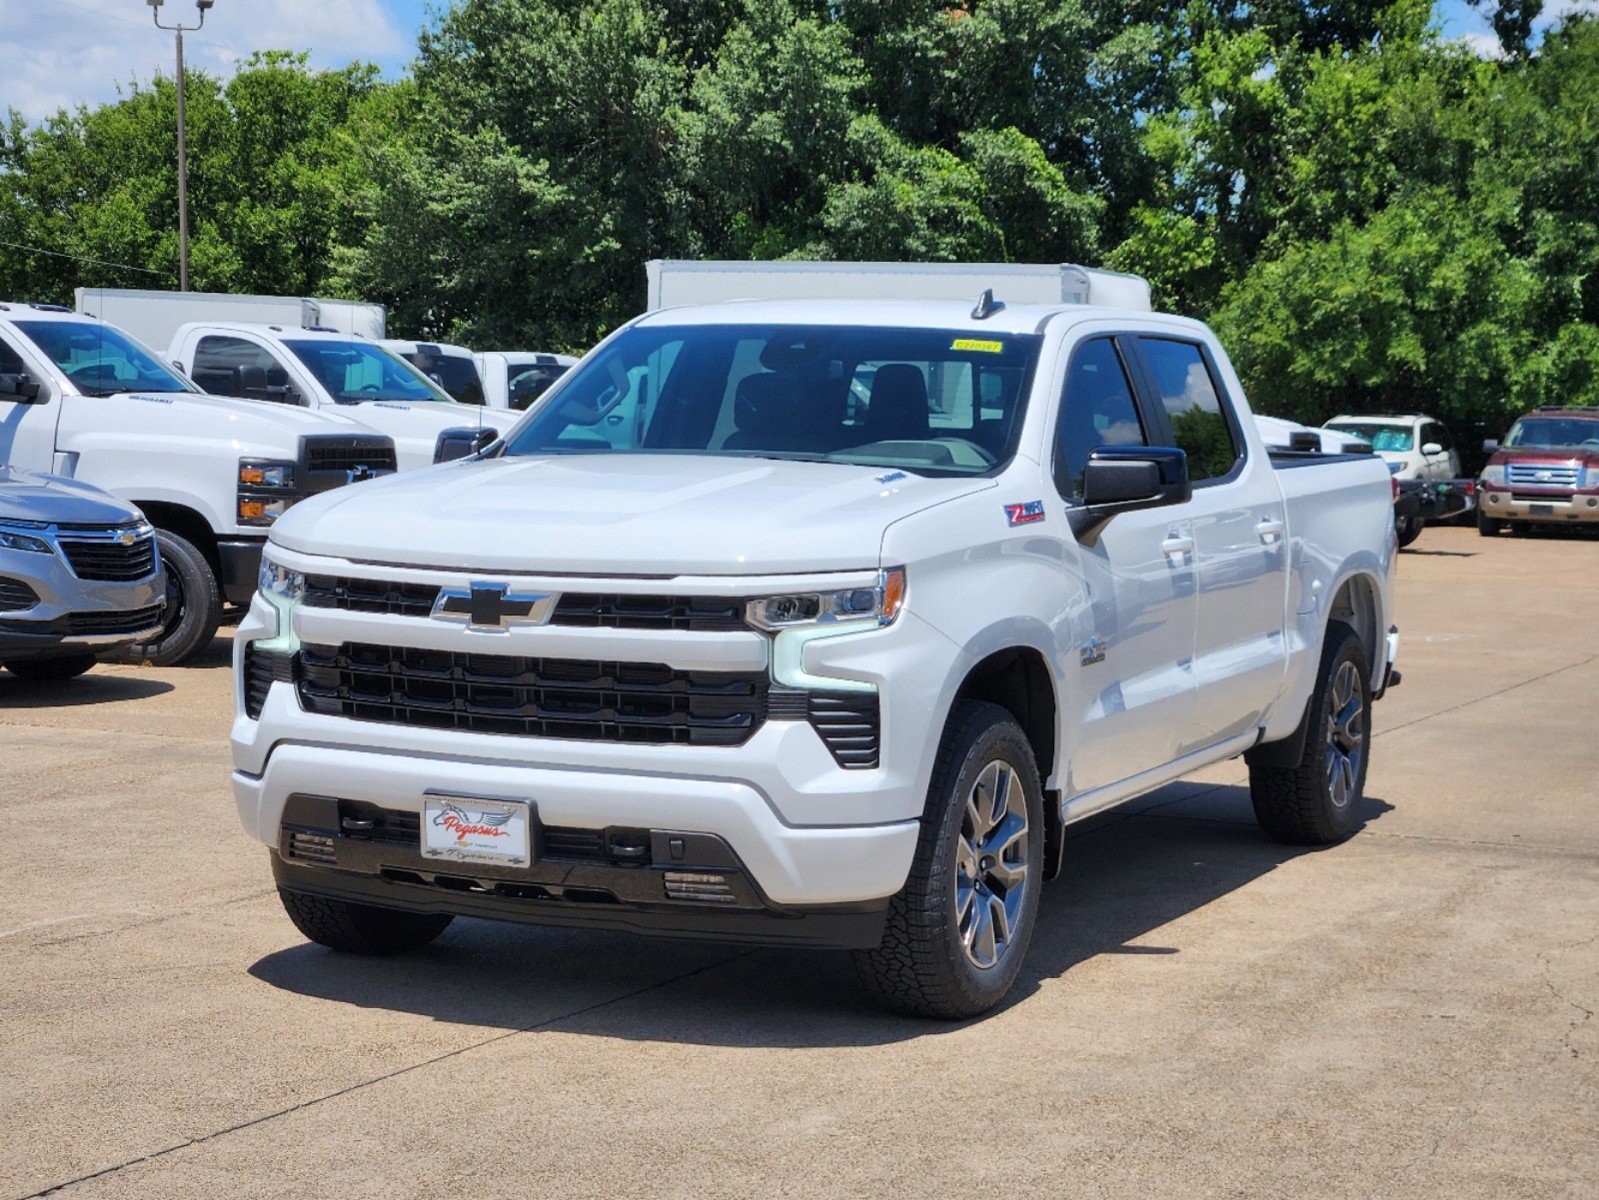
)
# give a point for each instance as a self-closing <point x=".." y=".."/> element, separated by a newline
<point x="15" y="310"/>
<point x="268" y="330"/>
<point x="905" y="314"/>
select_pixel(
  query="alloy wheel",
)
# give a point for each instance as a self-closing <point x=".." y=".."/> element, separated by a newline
<point x="991" y="864"/>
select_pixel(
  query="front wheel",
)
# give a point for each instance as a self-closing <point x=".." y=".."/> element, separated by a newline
<point x="1487" y="526"/>
<point x="1316" y="801"/>
<point x="194" y="606"/>
<point x="51" y="670"/>
<point x="958" y="930"/>
<point x="360" y="928"/>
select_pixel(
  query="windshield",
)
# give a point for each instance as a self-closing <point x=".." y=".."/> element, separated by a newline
<point x="1554" y="432"/>
<point x="927" y="401"/>
<point x="100" y="360"/>
<point x="1381" y="437"/>
<point x="355" y="372"/>
<point x="455" y="373"/>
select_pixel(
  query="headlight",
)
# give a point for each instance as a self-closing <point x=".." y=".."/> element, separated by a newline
<point x="11" y="540"/>
<point x="256" y="474"/>
<point x="1494" y="476"/>
<point x="879" y="604"/>
<point x="279" y="583"/>
<point x="1590" y="476"/>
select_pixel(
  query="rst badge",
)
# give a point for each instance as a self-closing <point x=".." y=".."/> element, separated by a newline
<point x="1025" y="513"/>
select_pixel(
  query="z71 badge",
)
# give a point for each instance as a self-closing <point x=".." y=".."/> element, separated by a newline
<point x="1025" y="513"/>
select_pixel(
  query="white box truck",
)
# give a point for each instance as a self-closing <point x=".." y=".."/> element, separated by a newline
<point x="153" y="317"/>
<point x="677" y="282"/>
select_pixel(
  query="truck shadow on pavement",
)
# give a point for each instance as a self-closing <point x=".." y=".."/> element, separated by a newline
<point x="1129" y="873"/>
<point x="93" y="688"/>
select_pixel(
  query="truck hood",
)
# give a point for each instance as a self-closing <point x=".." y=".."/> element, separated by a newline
<point x="608" y="514"/>
<point x="198" y="414"/>
<point x="415" y="428"/>
<point x="49" y="498"/>
<point x="1562" y="456"/>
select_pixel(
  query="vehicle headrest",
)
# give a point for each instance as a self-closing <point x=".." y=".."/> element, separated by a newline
<point x="897" y="410"/>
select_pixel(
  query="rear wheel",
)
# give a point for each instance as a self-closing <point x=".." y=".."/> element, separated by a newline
<point x="1487" y="526"/>
<point x="1408" y="529"/>
<point x="194" y="606"/>
<point x="51" y="670"/>
<point x="360" y="928"/>
<point x="1316" y="802"/>
<point x="958" y="930"/>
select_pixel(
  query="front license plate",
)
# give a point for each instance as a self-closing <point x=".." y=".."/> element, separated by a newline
<point x="1542" y="510"/>
<point x="467" y="829"/>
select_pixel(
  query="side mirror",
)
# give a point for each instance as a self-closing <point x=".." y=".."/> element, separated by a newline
<point x="1490" y="446"/>
<point x="1432" y="449"/>
<point x="1126" y="478"/>
<point x="462" y="443"/>
<point x="250" y="383"/>
<point x="20" y="389"/>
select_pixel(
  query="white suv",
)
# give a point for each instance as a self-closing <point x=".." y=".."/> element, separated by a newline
<point x="1419" y="445"/>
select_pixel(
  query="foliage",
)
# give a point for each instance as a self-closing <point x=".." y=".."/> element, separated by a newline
<point x="1373" y="217"/>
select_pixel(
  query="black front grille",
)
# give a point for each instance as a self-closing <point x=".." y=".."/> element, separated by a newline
<point x="106" y="624"/>
<point x="263" y="668"/>
<point x="111" y="560"/>
<point x="850" y="724"/>
<point x="349" y="457"/>
<point x="16" y="595"/>
<point x="370" y="595"/>
<point x="698" y="613"/>
<point x="533" y="697"/>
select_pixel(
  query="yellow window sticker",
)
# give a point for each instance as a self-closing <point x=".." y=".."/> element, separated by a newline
<point x="978" y="345"/>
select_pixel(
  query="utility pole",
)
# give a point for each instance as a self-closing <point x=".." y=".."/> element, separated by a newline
<point x="183" y="137"/>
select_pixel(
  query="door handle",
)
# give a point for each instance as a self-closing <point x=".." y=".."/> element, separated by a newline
<point x="1177" y="545"/>
<point x="1270" y="530"/>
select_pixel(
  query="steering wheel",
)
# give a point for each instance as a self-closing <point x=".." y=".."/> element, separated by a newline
<point x="1590" y="442"/>
<point x="370" y="387"/>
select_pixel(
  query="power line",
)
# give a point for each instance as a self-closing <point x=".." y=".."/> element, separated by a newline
<point x="99" y="262"/>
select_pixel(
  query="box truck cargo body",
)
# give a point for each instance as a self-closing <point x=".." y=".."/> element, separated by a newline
<point x="153" y="317"/>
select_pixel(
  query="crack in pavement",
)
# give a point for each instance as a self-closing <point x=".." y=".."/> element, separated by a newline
<point x="377" y="1079"/>
<point x="1548" y="958"/>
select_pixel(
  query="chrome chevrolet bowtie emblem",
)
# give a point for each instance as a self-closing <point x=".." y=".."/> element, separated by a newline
<point x="127" y="537"/>
<point x="492" y="606"/>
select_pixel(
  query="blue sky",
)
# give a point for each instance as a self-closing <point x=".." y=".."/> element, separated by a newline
<point x="66" y="52"/>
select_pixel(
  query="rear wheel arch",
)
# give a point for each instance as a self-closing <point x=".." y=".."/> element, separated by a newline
<point x="1355" y="603"/>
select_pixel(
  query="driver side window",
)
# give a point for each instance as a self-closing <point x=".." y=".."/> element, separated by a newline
<point x="217" y="363"/>
<point x="1097" y="410"/>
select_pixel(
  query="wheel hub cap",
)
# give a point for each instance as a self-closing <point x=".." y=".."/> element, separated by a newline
<point x="1345" y="735"/>
<point x="991" y="864"/>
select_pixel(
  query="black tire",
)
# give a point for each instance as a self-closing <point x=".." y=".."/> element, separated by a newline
<point x="1317" y="801"/>
<point x="360" y="928"/>
<point x="194" y="606"/>
<point x="51" y="670"/>
<point x="1408" y="529"/>
<point x="1487" y="526"/>
<point x="923" y="966"/>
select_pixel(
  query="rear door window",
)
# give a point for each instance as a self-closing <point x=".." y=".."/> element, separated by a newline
<point x="1200" y="424"/>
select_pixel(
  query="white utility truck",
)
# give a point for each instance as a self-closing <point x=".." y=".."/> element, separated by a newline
<point x="153" y="317"/>
<point x="515" y="378"/>
<point x="814" y="622"/>
<point x="333" y="373"/>
<point x="82" y="399"/>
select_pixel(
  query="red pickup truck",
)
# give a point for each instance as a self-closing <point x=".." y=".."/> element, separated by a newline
<point x="1545" y="472"/>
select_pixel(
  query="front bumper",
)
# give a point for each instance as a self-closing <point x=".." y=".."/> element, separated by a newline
<point x="72" y="614"/>
<point x="239" y="560"/>
<point x="805" y="831"/>
<point x="1500" y="504"/>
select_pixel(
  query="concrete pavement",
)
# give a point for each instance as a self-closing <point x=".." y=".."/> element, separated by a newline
<point x="1203" y="1013"/>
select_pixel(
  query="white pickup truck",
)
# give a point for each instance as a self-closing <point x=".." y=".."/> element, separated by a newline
<point x="514" y="379"/>
<point x="332" y="372"/>
<point x="80" y="398"/>
<point x="812" y="622"/>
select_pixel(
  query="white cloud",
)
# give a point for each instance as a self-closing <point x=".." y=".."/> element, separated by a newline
<point x="1483" y="45"/>
<point x="60" y="53"/>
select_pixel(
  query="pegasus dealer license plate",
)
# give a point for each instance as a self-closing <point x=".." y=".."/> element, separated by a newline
<point x="466" y="829"/>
